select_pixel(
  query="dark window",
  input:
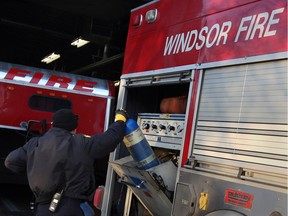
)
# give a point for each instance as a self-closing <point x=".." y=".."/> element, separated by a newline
<point x="48" y="104"/>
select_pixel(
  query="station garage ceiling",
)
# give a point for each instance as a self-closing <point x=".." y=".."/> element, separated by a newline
<point x="32" y="29"/>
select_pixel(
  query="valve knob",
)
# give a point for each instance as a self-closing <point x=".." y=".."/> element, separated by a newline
<point x="171" y="128"/>
<point x="145" y="126"/>
<point x="179" y="129"/>
<point x="154" y="126"/>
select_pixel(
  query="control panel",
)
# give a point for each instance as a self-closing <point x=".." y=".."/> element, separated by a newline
<point x="162" y="130"/>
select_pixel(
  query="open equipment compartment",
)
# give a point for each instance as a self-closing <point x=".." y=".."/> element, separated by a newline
<point x="143" y="98"/>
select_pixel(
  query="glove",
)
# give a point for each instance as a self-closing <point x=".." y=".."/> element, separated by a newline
<point x="121" y="115"/>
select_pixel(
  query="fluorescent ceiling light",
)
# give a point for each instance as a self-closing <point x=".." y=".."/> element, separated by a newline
<point x="79" y="42"/>
<point x="52" y="57"/>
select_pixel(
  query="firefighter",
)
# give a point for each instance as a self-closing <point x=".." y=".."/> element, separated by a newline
<point x="59" y="165"/>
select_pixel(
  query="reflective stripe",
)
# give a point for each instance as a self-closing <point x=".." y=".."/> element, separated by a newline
<point x="147" y="160"/>
<point x="133" y="138"/>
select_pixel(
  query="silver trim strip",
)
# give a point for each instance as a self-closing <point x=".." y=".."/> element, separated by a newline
<point x="249" y="59"/>
<point x="13" y="128"/>
<point x="104" y="94"/>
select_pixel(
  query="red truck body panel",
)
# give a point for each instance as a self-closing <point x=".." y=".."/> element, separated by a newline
<point x="206" y="32"/>
<point x="88" y="96"/>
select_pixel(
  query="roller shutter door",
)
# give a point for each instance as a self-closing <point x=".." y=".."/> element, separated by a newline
<point x="242" y="116"/>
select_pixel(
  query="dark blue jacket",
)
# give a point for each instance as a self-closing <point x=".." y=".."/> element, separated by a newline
<point x="60" y="160"/>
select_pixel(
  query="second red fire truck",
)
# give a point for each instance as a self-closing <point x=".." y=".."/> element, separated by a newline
<point x="30" y="96"/>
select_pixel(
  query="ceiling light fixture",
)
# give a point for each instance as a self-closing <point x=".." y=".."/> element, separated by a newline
<point x="79" y="42"/>
<point x="52" y="57"/>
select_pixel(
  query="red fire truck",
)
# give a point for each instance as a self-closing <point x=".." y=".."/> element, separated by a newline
<point x="29" y="96"/>
<point x="228" y="148"/>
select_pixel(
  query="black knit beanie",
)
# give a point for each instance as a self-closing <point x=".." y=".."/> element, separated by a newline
<point x="64" y="118"/>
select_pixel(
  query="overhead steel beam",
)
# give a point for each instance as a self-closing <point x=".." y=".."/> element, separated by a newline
<point x="96" y="39"/>
<point x="102" y="62"/>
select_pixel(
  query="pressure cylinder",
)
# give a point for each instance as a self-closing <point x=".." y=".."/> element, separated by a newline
<point x="98" y="197"/>
<point x="138" y="146"/>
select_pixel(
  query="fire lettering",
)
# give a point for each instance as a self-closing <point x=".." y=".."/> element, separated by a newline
<point x="260" y="23"/>
<point x="52" y="80"/>
<point x="36" y="77"/>
<point x="185" y="42"/>
<point x="63" y="82"/>
<point x="84" y="85"/>
<point x="14" y="72"/>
